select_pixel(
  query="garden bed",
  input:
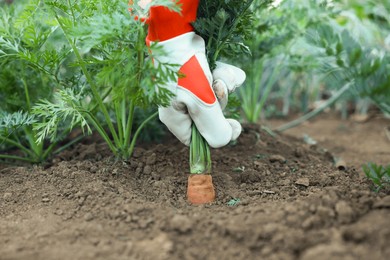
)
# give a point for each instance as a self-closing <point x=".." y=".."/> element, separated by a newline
<point x="277" y="198"/>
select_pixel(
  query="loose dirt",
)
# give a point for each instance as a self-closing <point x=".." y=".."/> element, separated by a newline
<point x="277" y="198"/>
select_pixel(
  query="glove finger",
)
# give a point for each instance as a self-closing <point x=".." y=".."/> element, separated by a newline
<point x="232" y="76"/>
<point x="236" y="128"/>
<point x="221" y="93"/>
<point x="178" y="122"/>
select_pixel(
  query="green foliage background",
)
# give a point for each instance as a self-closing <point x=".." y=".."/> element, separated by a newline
<point x="68" y="63"/>
<point x="76" y="63"/>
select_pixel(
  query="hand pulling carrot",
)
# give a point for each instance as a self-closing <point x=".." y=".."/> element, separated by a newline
<point x="195" y="115"/>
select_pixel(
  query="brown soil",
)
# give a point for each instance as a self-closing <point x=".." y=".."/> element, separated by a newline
<point x="277" y="198"/>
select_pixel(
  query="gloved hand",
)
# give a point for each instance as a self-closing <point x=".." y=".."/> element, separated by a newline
<point x="194" y="100"/>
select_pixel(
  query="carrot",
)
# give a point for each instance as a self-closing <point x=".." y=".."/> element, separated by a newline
<point x="200" y="189"/>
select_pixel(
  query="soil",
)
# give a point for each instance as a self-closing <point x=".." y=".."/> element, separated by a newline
<point x="277" y="198"/>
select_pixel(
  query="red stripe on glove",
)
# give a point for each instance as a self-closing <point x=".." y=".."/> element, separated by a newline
<point x="196" y="81"/>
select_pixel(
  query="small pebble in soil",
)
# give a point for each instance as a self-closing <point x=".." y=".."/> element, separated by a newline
<point x="88" y="217"/>
<point x="81" y="201"/>
<point x="59" y="212"/>
<point x="147" y="170"/>
<point x="303" y="182"/>
<point x="45" y="200"/>
<point x="277" y="158"/>
<point x="128" y="219"/>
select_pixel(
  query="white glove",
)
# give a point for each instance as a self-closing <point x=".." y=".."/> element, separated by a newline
<point x="226" y="79"/>
<point x="194" y="99"/>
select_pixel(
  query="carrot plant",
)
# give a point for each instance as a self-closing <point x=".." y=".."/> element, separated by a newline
<point x="378" y="174"/>
<point x="285" y="65"/>
<point x="31" y="69"/>
<point x="116" y="74"/>
<point x="264" y="67"/>
<point x="352" y="67"/>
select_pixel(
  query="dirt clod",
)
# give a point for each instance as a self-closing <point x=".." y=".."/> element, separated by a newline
<point x="181" y="223"/>
<point x="383" y="203"/>
<point x="151" y="159"/>
<point x="344" y="212"/>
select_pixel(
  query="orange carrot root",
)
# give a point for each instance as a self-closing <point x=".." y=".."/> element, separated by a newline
<point x="200" y="189"/>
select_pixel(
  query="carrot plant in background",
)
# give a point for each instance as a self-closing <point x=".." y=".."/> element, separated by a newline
<point x="281" y="67"/>
<point x="378" y="174"/>
<point x="285" y="69"/>
<point x="109" y="50"/>
<point x="32" y="67"/>
<point x="264" y="67"/>
<point x="352" y="67"/>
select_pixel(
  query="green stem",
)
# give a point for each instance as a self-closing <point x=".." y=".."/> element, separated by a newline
<point x="103" y="134"/>
<point x="61" y="137"/>
<point x="37" y="148"/>
<point x="48" y="150"/>
<point x="200" y="156"/>
<point x="92" y="106"/>
<point x="316" y="111"/>
<point x="136" y="134"/>
<point x="16" y="144"/>
<point x="268" y="87"/>
<point x="129" y="124"/>
<point x="26" y="92"/>
<point x="123" y="118"/>
<point x="64" y="147"/>
<point x="91" y="83"/>
<point x="18" y="158"/>
<point x="119" y="120"/>
<point x="130" y="140"/>
<point x="71" y="11"/>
